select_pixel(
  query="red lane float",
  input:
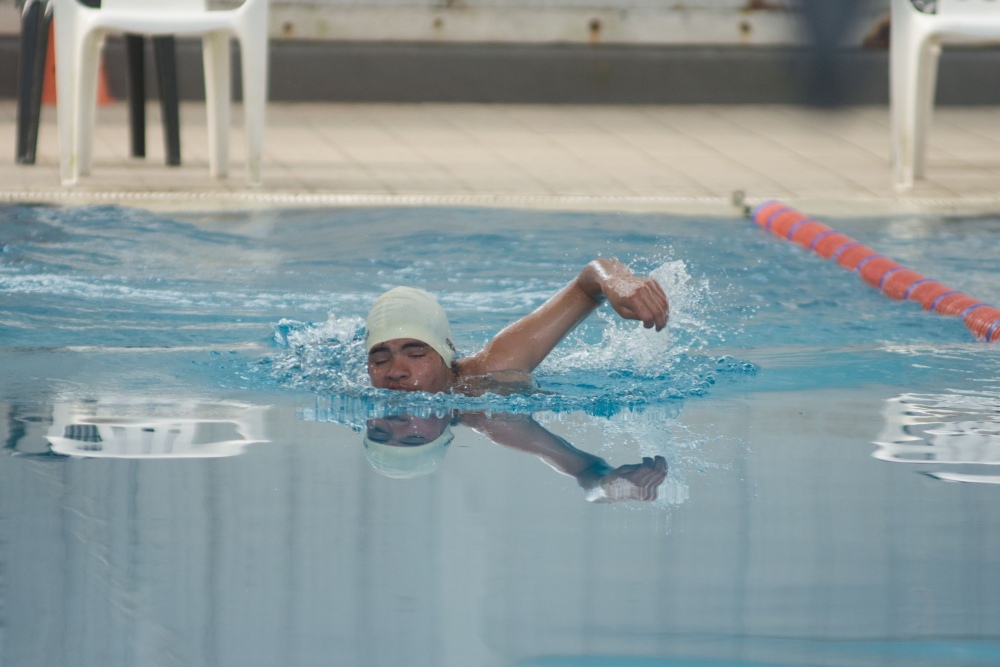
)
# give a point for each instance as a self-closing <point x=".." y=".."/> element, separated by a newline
<point x="889" y="277"/>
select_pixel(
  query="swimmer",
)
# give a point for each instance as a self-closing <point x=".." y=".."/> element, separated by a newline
<point x="410" y="348"/>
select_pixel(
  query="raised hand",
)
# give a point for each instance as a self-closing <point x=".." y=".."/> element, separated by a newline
<point x="636" y="298"/>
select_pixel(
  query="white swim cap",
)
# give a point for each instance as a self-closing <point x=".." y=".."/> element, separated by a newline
<point x="406" y="312"/>
<point x="400" y="462"/>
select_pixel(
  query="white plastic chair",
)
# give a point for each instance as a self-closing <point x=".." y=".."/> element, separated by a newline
<point x="80" y="32"/>
<point x="915" y="45"/>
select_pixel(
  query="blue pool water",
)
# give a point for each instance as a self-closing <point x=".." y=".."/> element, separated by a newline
<point x="183" y="404"/>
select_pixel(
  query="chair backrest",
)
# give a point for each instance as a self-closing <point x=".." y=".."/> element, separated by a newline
<point x="968" y="7"/>
<point x="155" y="5"/>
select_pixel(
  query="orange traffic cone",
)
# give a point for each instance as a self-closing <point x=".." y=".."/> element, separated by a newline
<point x="49" y="81"/>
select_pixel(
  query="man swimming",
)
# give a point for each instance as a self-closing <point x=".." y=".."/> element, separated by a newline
<point x="410" y="348"/>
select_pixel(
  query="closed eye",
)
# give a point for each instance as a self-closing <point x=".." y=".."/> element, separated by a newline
<point x="379" y="435"/>
<point x="378" y="359"/>
<point x="416" y="349"/>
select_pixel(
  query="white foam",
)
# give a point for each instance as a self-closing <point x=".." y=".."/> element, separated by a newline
<point x="109" y="288"/>
<point x="627" y="344"/>
<point x="71" y="287"/>
<point x="328" y="356"/>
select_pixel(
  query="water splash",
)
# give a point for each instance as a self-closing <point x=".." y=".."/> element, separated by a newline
<point x="628" y="369"/>
<point x="324" y="357"/>
<point x="626" y="344"/>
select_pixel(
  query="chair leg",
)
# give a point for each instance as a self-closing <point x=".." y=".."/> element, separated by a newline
<point x="903" y="69"/>
<point x="215" y="49"/>
<point x="88" y="69"/>
<point x="254" y="65"/>
<point x="65" y="33"/>
<point x="927" y="84"/>
<point x="35" y="21"/>
<point x="135" y="56"/>
<point x="166" y="75"/>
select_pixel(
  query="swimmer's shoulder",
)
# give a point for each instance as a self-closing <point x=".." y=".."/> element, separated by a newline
<point x="504" y="382"/>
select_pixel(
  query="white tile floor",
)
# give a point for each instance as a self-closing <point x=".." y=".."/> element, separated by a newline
<point x="672" y="159"/>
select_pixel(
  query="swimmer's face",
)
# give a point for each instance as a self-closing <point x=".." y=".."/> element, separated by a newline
<point x="407" y="364"/>
<point x="405" y="431"/>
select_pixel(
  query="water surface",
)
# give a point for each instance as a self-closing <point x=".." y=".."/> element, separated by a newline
<point x="186" y="481"/>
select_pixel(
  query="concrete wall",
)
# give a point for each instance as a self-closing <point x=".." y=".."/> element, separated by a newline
<point x="718" y="22"/>
<point x="554" y="51"/>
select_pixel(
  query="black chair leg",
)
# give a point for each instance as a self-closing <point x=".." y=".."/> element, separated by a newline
<point x="35" y="21"/>
<point x="166" y="75"/>
<point x="136" y="64"/>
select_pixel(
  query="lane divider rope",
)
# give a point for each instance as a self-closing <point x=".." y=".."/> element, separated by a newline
<point x="889" y="277"/>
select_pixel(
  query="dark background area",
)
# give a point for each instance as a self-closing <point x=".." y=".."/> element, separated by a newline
<point x="319" y="71"/>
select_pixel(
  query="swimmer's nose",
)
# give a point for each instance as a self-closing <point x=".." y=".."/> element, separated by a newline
<point x="399" y="369"/>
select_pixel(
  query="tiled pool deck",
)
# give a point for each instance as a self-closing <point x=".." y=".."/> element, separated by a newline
<point x="681" y="159"/>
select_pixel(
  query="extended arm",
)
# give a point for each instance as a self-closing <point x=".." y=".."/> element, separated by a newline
<point x="523" y="433"/>
<point x="638" y="481"/>
<point x="525" y="343"/>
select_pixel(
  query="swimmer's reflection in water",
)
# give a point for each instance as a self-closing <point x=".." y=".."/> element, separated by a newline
<point x="406" y="446"/>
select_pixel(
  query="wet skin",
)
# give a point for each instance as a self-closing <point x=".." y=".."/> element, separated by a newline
<point x="407" y="364"/>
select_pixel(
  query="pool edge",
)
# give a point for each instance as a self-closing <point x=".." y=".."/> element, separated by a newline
<point x="199" y="200"/>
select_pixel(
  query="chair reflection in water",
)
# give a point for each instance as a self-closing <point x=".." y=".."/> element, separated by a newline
<point x="119" y="430"/>
<point x="961" y="430"/>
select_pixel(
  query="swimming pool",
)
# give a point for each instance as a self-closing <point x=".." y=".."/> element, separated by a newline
<point x="185" y="479"/>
